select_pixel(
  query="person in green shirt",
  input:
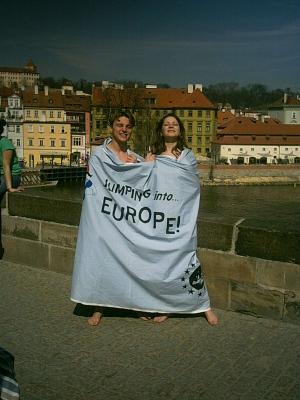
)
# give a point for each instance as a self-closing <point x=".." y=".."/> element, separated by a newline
<point x="10" y="171"/>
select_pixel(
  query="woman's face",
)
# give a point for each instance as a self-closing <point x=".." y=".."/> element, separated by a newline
<point x="170" y="129"/>
<point x="121" y="130"/>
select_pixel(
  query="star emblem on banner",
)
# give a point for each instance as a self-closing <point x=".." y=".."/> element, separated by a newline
<point x="193" y="280"/>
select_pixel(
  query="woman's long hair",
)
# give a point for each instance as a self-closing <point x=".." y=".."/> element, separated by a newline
<point x="158" y="145"/>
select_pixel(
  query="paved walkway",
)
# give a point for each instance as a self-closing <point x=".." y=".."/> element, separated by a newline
<point x="59" y="357"/>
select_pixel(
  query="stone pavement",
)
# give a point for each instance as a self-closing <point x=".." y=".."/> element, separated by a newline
<point x="59" y="357"/>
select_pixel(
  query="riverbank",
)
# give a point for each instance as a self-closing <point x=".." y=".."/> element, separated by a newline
<point x="249" y="174"/>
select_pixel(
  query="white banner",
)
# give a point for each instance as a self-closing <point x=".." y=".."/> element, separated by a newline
<point x="137" y="239"/>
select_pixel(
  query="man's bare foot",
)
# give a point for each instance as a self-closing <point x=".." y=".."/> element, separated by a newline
<point x="211" y="317"/>
<point x="160" y="318"/>
<point x="145" y="318"/>
<point x="95" y="319"/>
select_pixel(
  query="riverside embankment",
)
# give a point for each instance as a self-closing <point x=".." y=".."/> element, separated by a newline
<point x="269" y="174"/>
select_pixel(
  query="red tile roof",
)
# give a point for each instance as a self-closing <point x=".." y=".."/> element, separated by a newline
<point x="162" y="98"/>
<point x="77" y="103"/>
<point x="41" y="100"/>
<point x="224" y="116"/>
<point x="243" y="130"/>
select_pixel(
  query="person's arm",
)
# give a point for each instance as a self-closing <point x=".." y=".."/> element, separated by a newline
<point x="150" y="157"/>
<point x="7" y="156"/>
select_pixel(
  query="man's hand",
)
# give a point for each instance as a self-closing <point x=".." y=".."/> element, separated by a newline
<point x="131" y="158"/>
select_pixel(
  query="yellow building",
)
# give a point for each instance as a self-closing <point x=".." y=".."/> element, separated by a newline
<point x="197" y="112"/>
<point x="47" y="135"/>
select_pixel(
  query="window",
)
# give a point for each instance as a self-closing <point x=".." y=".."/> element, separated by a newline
<point x="36" y="113"/>
<point x="41" y="129"/>
<point x="62" y="129"/>
<point x="59" y="114"/>
<point x="190" y="126"/>
<point x="286" y="149"/>
<point x="27" y="113"/>
<point x="41" y="142"/>
<point x="51" y="114"/>
<point x="207" y="113"/>
<point x="199" y="127"/>
<point x="263" y="149"/>
<point x="241" y="149"/>
<point x="207" y="127"/>
<point x="30" y="128"/>
<point x="18" y="142"/>
<point x="181" y="113"/>
<point x="30" y="142"/>
<point x="200" y="113"/>
<point x="189" y="139"/>
<point x="293" y="115"/>
<point x="190" y="113"/>
<point x="76" y="141"/>
<point x="229" y="149"/>
<point x="199" y="141"/>
<point x="52" y="143"/>
<point x="149" y="101"/>
<point x="207" y="139"/>
<point x="252" y="148"/>
<point x="63" y="143"/>
<point x="275" y="148"/>
<point x="52" y="129"/>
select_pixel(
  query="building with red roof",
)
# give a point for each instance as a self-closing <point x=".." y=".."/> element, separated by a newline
<point x="148" y="105"/>
<point x="286" y="109"/>
<point x="249" y="141"/>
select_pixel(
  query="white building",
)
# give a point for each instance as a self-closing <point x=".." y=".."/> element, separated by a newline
<point x="14" y="121"/>
<point x="249" y="141"/>
<point x="19" y="77"/>
<point x="286" y="110"/>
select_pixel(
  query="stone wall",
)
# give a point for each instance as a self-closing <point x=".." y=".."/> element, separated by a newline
<point x="241" y="275"/>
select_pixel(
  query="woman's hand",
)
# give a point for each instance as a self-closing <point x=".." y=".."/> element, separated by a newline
<point x="150" y="157"/>
<point x="17" y="189"/>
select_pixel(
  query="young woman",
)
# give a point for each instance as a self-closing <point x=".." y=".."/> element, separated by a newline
<point x="169" y="141"/>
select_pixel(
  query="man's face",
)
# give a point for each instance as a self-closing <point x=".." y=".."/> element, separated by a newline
<point x="121" y="130"/>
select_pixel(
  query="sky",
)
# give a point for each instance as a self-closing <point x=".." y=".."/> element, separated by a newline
<point x="158" y="41"/>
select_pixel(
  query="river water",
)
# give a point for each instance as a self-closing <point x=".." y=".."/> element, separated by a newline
<point x="275" y="207"/>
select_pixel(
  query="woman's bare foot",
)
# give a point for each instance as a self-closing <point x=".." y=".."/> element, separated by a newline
<point x="160" y="318"/>
<point x="211" y="317"/>
<point x="95" y="319"/>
